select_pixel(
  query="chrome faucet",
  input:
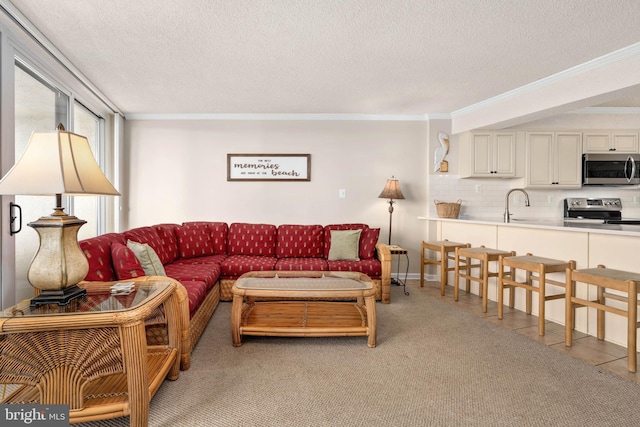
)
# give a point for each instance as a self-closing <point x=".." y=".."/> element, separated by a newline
<point x="507" y="215"/>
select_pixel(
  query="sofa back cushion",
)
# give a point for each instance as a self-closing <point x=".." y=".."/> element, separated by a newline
<point x="368" y="241"/>
<point x="151" y="237"/>
<point x="194" y="240"/>
<point x="327" y="233"/>
<point x="125" y="263"/>
<point x="97" y="250"/>
<point x="252" y="239"/>
<point x="300" y="241"/>
<point x="169" y="241"/>
<point x="218" y="234"/>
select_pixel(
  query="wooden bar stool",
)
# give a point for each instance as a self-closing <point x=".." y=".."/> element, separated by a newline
<point x="536" y="269"/>
<point x="445" y="248"/>
<point x="464" y="268"/>
<point x="605" y="279"/>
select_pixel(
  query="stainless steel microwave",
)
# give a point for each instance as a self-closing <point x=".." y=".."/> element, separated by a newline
<point x="610" y="169"/>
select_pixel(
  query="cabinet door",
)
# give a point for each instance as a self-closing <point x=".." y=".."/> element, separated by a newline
<point x="504" y="158"/>
<point x="539" y="159"/>
<point x="625" y="142"/>
<point x="481" y="154"/>
<point x="597" y="142"/>
<point x="568" y="160"/>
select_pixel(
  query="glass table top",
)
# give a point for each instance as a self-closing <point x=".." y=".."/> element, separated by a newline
<point x="97" y="299"/>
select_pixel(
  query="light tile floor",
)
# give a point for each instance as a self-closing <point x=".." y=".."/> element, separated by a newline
<point x="606" y="355"/>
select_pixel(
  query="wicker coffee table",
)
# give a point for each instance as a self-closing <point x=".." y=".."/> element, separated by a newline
<point x="303" y="304"/>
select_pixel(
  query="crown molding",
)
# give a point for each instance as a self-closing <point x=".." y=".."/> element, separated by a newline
<point x="606" y="110"/>
<point x="276" y="117"/>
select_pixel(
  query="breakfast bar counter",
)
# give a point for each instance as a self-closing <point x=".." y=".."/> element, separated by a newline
<point x="588" y="243"/>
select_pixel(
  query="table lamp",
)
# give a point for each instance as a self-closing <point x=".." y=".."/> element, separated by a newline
<point x="57" y="163"/>
<point x="391" y="191"/>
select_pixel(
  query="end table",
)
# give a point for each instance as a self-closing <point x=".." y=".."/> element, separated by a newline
<point x="398" y="250"/>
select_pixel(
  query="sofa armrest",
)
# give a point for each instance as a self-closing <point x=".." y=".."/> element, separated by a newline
<point x="383" y="254"/>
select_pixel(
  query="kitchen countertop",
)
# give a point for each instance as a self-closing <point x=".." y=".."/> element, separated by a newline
<point x="590" y="226"/>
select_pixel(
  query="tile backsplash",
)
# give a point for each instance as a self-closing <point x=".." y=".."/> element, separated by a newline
<point x="485" y="198"/>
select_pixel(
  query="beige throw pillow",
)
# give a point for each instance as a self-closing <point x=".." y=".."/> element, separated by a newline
<point x="345" y="245"/>
<point x="148" y="258"/>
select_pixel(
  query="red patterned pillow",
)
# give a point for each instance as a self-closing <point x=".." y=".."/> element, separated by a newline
<point x="368" y="241"/>
<point x="125" y="262"/>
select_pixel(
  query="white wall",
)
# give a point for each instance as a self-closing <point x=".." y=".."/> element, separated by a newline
<point x="176" y="172"/>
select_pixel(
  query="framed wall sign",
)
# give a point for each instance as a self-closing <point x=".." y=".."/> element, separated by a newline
<point x="268" y="167"/>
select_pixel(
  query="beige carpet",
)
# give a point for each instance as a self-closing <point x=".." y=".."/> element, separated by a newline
<point x="435" y="365"/>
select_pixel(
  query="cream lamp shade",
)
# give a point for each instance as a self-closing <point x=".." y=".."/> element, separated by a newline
<point x="57" y="163"/>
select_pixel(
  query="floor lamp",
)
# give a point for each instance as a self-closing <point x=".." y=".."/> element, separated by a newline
<point x="391" y="191"/>
<point x="57" y="163"/>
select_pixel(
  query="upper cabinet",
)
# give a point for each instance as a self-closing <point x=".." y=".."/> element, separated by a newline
<point x="490" y="154"/>
<point x="554" y="160"/>
<point x="610" y="141"/>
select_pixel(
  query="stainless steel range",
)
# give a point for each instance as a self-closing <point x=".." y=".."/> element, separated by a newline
<point x="583" y="208"/>
<point x="607" y="210"/>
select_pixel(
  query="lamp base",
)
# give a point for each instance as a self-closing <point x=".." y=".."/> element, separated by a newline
<point x="60" y="297"/>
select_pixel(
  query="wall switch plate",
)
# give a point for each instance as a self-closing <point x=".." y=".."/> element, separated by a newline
<point x="342" y="193"/>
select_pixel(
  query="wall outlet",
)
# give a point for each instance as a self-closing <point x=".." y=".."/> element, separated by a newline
<point x="550" y="199"/>
<point x="342" y="193"/>
<point x="478" y="188"/>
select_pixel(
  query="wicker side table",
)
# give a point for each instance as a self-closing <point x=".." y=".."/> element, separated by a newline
<point x="105" y="369"/>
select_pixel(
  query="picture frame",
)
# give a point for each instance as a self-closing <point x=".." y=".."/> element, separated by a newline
<point x="268" y="167"/>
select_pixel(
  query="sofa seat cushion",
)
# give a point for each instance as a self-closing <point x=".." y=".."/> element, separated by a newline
<point x="236" y="265"/>
<point x="97" y="250"/>
<point x="209" y="259"/>
<point x="197" y="292"/>
<point x="300" y="241"/>
<point x="151" y="237"/>
<point x="370" y="267"/>
<point x="302" y="264"/>
<point x="252" y="239"/>
<point x="182" y="272"/>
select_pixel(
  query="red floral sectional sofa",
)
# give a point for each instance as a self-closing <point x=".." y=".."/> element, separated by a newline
<point x="208" y="257"/>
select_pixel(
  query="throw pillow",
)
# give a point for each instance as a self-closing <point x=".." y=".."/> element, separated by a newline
<point x="148" y="258"/>
<point x="345" y="245"/>
<point x="125" y="262"/>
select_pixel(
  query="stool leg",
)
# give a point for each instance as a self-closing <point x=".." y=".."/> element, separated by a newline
<point x="422" y="267"/>
<point x="541" y="299"/>
<point x="457" y="276"/>
<point x="500" y="287"/>
<point x="632" y="332"/>
<point x="528" y="293"/>
<point x="485" y="283"/>
<point x="568" y="310"/>
<point x="600" y="316"/>
<point x="512" y="289"/>
<point x="444" y="275"/>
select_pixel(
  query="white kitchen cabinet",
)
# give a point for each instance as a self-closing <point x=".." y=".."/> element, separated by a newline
<point x="488" y="154"/>
<point x="554" y="160"/>
<point x="611" y="141"/>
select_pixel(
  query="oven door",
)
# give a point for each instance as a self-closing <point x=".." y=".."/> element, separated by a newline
<point x="610" y="169"/>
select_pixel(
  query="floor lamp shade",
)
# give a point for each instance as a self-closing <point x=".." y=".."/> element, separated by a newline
<point x="391" y="191"/>
<point x="57" y="163"/>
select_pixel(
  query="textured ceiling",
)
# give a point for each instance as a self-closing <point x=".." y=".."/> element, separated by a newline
<point x="328" y="56"/>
